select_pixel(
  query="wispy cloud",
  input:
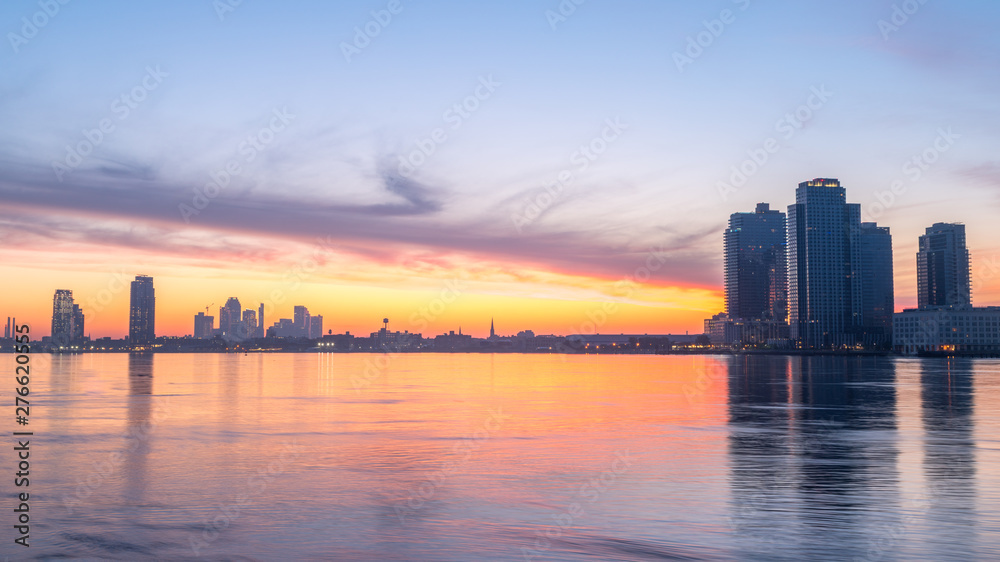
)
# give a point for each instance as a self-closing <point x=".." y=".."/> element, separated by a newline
<point x="410" y="215"/>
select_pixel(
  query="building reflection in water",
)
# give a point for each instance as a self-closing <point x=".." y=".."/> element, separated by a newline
<point x="813" y="455"/>
<point x="949" y="452"/>
<point x="138" y="426"/>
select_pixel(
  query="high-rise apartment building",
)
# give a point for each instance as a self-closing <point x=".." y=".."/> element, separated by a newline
<point x="67" y="318"/>
<point x="756" y="265"/>
<point x="230" y="317"/>
<point x="946" y="323"/>
<point x="877" y="289"/>
<point x="943" y="262"/>
<point x="78" y="328"/>
<point x="248" y="327"/>
<point x="300" y="315"/>
<point x="204" y="326"/>
<point x="315" y="327"/>
<point x="142" y="311"/>
<point x="831" y="261"/>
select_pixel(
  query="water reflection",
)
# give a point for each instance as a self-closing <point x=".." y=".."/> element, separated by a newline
<point x="748" y="458"/>
<point x="813" y="453"/>
<point x="140" y="394"/>
<point x="949" y="451"/>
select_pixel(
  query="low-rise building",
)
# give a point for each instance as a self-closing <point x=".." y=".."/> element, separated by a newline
<point x="959" y="329"/>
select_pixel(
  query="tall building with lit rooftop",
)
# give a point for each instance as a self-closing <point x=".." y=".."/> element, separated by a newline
<point x="839" y="272"/>
<point x="142" y="311"/>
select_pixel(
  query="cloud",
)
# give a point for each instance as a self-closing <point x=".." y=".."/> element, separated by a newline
<point x="406" y="216"/>
<point x="417" y="195"/>
<point x="986" y="174"/>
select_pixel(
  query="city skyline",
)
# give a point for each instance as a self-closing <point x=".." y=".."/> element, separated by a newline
<point x="762" y="250"/>
<point x="531" y="178"/>
<point x="519" y="280"/>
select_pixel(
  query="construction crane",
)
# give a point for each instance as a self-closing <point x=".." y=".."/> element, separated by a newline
<point x="207" y="307"/>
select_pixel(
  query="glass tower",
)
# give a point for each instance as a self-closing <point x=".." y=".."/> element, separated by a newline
<point x="943" y="267"/>
<point x="142" y="311"/>
<point x="824" y="291"/>
<point x="756" y="271"/>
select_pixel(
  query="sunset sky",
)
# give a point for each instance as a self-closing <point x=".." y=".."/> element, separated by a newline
<point x="461" y="161"/>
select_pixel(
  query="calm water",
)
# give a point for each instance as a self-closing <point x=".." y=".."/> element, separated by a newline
<point x="466" y="457"/>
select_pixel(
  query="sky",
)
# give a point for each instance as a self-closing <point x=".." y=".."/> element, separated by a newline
<point x="562" y="167"/>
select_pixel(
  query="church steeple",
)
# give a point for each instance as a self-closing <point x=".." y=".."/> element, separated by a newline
<point x="492" y="333"/>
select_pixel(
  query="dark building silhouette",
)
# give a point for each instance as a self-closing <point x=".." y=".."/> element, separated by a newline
<point x="943" y="263"/>
<point x="877" y="291"/>
<point x="831" y="259"/>
<point x="822" y="293"/>
<point x="78" y="330"/>
<point x="229" y="317"/>
<point x="204" y="326"/>
<point x="756" y="271"/>
<point x="142" y="311"/>
<point x="945" y="320"/>
<point x="67" y="319"/>
<point x="300" y="316"/>
<point x="248" y="326"/>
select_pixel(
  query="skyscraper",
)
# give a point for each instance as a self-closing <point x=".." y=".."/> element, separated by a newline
<point x="946" y="322"/>
<point x="77" y="323"/>
<point x="260" y="321"/>
<point x="248" y="327"/>
<point x="300" y="316"/>
<point x="315" y="326"/>
<point x="876" y="280"/>
<point x="203" y="326"/>
<point x="827" y="265"/>
<point x="755" y="265"/>
<point x="63" y="316"/>
<point x="943" y="267"/>
<point x="142" y="311"/>
<point x="229" y="317"/>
